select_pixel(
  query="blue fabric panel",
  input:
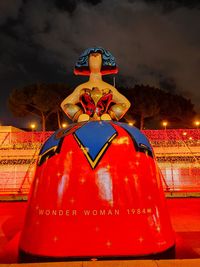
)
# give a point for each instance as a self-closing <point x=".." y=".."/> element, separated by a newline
<point x="51" y="142"/>
<point x="94" y="135"/>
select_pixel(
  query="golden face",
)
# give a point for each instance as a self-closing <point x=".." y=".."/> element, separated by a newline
<point x="95" y="62"/>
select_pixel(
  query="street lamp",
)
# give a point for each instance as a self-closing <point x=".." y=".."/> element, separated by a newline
<point x="164" y="124"/>
<point x="197" y="123"/>
<point x="33" y="126"/>
<point x="64" y="125"/>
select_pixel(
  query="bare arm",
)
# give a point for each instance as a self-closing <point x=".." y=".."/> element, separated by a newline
<point x="118" y="110"/>
<point x="73" y="98"/>
<point x="69" y="106"/>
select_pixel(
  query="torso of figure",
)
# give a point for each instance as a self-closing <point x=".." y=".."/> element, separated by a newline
<point x="95" y="102"/>
<point x="96" y="99"/>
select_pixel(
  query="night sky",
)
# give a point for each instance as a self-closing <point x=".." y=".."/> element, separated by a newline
<point x="154" y="42"/>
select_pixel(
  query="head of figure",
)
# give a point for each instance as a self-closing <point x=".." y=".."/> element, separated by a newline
<point x="96" y="59"/>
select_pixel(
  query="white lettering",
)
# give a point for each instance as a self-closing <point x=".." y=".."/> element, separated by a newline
<point x="60" y="212"/>
<point x="86" y="212"/>
<point x="74" y="212"/>
<point x="67" y="212"/>
<point x="47" y="212"/>
<point x="102" y="212"/>
<point x="54" y="212"/>
<point x="94" y="212"/>
<point x="110" y="212"/>
<point x="41" y="212"/>
<point x="116" y="212"/>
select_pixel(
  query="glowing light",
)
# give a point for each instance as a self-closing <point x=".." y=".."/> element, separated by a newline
<point x="164" y="124"/>
<point x="82" y="180"/>
<point x="141" y="239"/>
<point x="33" y="126"/>
<point x="97" y="229"/>
<point x="126" y="179"/>
<point x="131" y="123"/>
<point x="108" y="167"/>
<point x="64" y="125"/>
<point x="55" y="239"/>
<point x="108" y="243"/>
<point x="197" y="123"/>
<point x="184" y="133"/>
<point x="72" y="200"/>
<point x="158" y="228"/>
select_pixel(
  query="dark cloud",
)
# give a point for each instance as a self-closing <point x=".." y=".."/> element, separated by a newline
<point x="154" y="42"/>
<point x="9" y="9"/>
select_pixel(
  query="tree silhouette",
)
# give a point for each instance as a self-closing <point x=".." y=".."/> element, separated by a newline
<point x="150" y="103"/>
<point x="144" y="102"/>
<point x="41" y="100"/>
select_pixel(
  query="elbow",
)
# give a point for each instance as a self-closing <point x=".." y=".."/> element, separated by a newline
<point x="126" y="105"/>
<point x="62" y="105"/>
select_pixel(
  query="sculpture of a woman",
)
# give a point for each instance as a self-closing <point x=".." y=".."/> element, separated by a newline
<point x="97" y="191"/>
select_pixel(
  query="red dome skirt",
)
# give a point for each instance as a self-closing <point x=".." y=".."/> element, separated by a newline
<point x="97" y="192"/>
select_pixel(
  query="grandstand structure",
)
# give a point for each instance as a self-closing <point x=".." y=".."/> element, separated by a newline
<point x="177" y="152"/>
<point x="18" y="155"/>
<point x="178" y="156"/>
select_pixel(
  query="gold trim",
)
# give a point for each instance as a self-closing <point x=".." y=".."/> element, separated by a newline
<point x="93" y="163"/>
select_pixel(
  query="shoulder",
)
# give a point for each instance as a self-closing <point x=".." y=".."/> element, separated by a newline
<point x="109" y="86"/>
<point x="81" y="86"/>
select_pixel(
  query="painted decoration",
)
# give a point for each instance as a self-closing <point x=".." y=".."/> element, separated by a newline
<point x="97" y="193"/>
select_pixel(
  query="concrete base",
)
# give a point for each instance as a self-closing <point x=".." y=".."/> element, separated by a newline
<point x="117" y="263"/>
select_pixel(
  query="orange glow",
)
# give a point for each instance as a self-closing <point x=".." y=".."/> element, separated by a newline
<point x="197" y="123"/>
<point x="64" y="125"/>
<point x="165" y="123"/>
<point x="33" y="126"/>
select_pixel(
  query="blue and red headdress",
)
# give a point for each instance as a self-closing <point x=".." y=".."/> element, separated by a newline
<point x="108" y="62"/>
